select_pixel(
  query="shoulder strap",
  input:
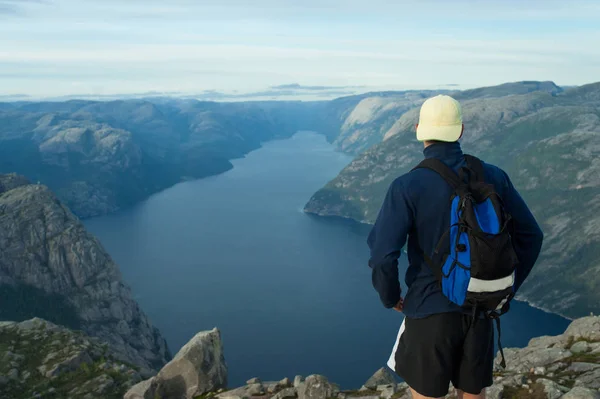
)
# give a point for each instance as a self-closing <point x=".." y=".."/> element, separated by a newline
<point x="441" y="169"/>
<point x="476" y="166"/>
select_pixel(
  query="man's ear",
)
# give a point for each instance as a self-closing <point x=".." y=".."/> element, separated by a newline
<point x="462" y="130"/>
<point x="416" y="126"/>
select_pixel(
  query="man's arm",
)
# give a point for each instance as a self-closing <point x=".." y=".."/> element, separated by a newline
<point x="386" y="240"/>
<point x="527" y="235"/>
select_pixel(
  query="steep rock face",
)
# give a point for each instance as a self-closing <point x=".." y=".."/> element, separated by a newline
<point x="548" y="144"/>
<point x="60" y="272"/>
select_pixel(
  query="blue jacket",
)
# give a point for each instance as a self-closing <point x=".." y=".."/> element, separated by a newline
<point x="417" y="207"/>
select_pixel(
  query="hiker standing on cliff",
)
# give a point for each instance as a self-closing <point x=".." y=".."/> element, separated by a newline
<point x="472" y="241"/>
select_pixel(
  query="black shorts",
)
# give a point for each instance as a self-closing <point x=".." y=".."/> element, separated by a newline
<point x="445" y="347"/>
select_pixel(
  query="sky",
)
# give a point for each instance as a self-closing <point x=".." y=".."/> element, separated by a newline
<point x="237" y="48"/>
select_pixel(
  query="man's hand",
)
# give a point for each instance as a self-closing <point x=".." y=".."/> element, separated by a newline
<point x="400" y="305"/>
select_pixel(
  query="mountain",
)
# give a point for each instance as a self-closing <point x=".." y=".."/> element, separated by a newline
<point x="52" y="268"/>
<point x="99" y="157"/>
<point x="548" y="142"/>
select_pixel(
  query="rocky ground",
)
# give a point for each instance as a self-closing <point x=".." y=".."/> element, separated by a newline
<point x="41" y="360"/>
<point x="566" y="366"/>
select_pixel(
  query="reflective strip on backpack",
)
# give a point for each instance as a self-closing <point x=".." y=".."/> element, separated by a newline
<point x="477" y="285"/>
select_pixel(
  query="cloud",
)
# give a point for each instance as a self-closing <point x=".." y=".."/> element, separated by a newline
<point x="297" y="86"/>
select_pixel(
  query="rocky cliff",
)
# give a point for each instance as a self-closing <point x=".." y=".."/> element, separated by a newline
<point x="549" y="143"/>
<point x="39" y="359"/>
<point x="51" y="267"/>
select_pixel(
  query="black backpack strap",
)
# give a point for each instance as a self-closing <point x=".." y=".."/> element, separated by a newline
<point x="476" y="166"/>
<point x="441" y="169"/>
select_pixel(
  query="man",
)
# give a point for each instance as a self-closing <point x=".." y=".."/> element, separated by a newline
<point x="439" y="342"/>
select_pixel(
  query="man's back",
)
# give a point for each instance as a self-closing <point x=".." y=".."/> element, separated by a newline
<point x="438" y="343"/>
<point x="426" y="197"/>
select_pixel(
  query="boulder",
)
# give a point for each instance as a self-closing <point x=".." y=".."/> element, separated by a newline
<point x="298" y="380"/>
<point x="255" y="389"/>
<point x="285" y="382"/>
<point x="581" y="393"/>
<point x="253" y="381"/>
<point x="316" y="387"/>
<point x="198" y="368"/>
<point x="580" y="347"/>
<point x="383" y="376"/>
<point x="586" y="327"/>
<point x="140" y="391"/>
<point x="590" y="379"/>
<point x="286" y="393"/>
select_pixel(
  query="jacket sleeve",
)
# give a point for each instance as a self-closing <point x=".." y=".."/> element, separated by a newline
<point x="386" y="240"/>
<point x="527" y="235"/>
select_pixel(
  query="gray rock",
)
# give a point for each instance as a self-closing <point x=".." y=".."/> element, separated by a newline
<point x="550" y="388"/>
<point x="540" y="370"/>
<point x="586" y="327"/>
<point x="298" y="380"/>
<point x="70" y="364"/>
<point x="13" y="374"/>
<point x="383" y="376"/>
<point x="285" y="382"/>
<point x="388" y="392"/>
<point x="272" y="388"/>
<point x="580" y="347"/>
<point x="255" y="389"/>
<point x="495" y="391"/>
<point x="241" y="392"/>
<point x="525" y="359"/>
<point x="590" y="379"/>
<point x="140" y="391"/>
<point x="285" y="393"/>
<point x="316" y="387"/>
<point x="581" y="393"/>
<point x="253" y="381"/>
<point x="199" y="367"/>
<point x="580" y="367"/>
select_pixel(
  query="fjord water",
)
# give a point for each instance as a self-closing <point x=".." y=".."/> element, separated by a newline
<point x="290" y="292"/>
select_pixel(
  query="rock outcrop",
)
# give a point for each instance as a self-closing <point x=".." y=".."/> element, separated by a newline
<point x="199" y="367"/>
<point x="51" y="267"/>
<point x="41" y="360"/>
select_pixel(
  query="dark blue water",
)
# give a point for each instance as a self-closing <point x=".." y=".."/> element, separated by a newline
<point x="290" y="292"/>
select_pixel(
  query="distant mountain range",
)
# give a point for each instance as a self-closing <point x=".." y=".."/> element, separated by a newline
<point x="99" y="157"/>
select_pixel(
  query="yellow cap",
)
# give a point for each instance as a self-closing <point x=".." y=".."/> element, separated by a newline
<point x="440" y="119"/>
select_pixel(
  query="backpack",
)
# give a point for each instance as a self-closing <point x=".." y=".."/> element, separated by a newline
<point x="474" y="260"/>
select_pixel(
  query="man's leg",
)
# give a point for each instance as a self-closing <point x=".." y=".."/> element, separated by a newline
<point x="475" y="372"/>
<point x="464" y="395"/>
